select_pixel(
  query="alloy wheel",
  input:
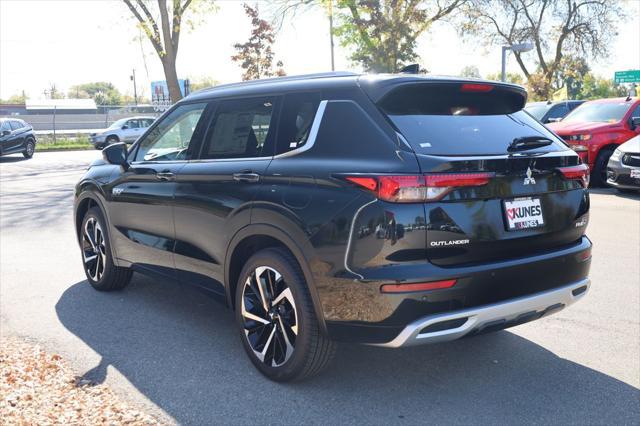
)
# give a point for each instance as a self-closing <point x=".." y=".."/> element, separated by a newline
<point x="30" y="148"/>
<point x="270" y="320"/>
<point x="94" y="249"/>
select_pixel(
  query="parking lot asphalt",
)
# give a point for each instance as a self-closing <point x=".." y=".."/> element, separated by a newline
<point x="175" y="352"/>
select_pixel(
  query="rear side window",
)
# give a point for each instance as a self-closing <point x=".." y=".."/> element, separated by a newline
<point x="559" y="111"/>
<point x="441" y="119"/>
<point x="133" y="124"/>
<point x="15" y="125"/>
<point x="296" y="119"/>
<point x="241" y="129"/>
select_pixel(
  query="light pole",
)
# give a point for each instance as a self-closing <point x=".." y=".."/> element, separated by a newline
<point x="520" y="47"/>
<point x="135" y="88"/>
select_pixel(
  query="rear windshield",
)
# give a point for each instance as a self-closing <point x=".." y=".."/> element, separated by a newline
<point x="609" y="112"/>
<point x="443" y="121"/>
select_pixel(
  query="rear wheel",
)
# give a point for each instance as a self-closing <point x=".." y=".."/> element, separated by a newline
<point x="599" y="172"/>
<point x="277" y="322"/>
<point x="99" y="268"/>
<point x="29" y="148"/>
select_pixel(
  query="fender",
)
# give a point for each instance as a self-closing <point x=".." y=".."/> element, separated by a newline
<point x="92" y="190"/>
<point x="298" y="245"/>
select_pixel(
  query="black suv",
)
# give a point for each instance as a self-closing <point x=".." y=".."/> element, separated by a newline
<point x="16" y="136"/>
<point x="388" y="210"/>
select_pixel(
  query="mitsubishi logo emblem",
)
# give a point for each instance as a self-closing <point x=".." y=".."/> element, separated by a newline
<point x="529" y="179"/>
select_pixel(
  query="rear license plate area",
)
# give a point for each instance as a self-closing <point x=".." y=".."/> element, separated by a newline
<point x="523" y="213"/>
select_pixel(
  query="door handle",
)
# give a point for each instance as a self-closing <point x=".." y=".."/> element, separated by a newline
<point x="248" y="177"/>
<point x="165" y="176"/>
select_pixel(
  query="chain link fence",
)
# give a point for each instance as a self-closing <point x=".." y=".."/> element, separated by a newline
<point x="54" y="123"/>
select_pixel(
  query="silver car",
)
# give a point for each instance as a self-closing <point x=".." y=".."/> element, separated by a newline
<point x="124" y="130"/>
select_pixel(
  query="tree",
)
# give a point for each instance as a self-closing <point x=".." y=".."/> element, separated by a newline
<point x="102" y="92"/>
<point x="165" y="37"/>
<point x="594" y="87"/>
<point x="53" y="93"/>
<point x="383" y="33"/>
<point x="200" y="83"/>
<point x="256" y="55"/>
<point x="580" y="28"/>
<point x="470" y="71"/>
<point x="511" y="77"/>
<point x="571" y="74"/>
<point x="17" y="98"/>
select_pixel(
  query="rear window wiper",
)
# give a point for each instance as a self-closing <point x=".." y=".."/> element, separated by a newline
<point x="528" y="142"/>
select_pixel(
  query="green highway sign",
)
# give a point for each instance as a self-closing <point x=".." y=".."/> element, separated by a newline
<point x="630" y="76"/>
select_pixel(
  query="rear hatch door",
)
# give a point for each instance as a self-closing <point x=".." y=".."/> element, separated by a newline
<point x="499" y="184"/>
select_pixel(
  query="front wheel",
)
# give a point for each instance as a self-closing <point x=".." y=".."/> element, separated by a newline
<point x="29" y="149"/>
<point x="599" y="173"/>
<point x="110" y="141"/>
<point x="97" y="260"/>
<point x="277" y="322"/>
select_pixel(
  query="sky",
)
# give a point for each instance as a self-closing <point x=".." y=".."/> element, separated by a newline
<point x="45" y="42"/>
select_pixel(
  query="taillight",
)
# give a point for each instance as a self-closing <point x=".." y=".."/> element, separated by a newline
<point x="476" y="87"/>
<point x="406" y="288"/>
<point x="418" y="188"/>
<point x="579" y="172"/>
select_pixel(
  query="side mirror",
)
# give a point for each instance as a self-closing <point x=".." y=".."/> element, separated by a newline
<point x="125" y="127"/>
<point x="116" y="154"/>
<point x="553" y="119"/>
<point x="6" y="132"/>
<point x="634" y="122"/>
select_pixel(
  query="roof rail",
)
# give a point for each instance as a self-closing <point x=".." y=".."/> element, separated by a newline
<point x="278" y="79"/>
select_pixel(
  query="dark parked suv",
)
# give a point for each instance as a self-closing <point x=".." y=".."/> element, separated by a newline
<point x="388" y="210"/>
<point x="16" y="136"/>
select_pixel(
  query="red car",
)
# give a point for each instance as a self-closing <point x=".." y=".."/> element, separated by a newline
<point x="596" y="128"/>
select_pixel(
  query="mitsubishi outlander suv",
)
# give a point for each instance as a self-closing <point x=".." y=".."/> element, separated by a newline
<point x="388" y="210"/>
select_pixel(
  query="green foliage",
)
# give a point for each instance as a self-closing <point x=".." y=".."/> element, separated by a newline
<point x="199" y="83"/>
<point x="511" y="77"/>
<point x="256" y="55"/>
<point x="470" y="71"/>
<point x="102" y="92"/>
<point x="46" y="143"/>
<point x="18" y="98"/>
<point x="594" y="87"/>
<point x="382" y="34"/>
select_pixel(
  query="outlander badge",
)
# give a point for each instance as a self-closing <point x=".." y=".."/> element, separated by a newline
<point x="529" y="179"/>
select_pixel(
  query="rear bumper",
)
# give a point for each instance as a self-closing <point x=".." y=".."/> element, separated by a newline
<point x="454" y="325"/>
<point x="356" y="311"/>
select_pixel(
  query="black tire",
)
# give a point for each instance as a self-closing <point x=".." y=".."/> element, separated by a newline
<point x="599" y="172"/>
<point x="29" y="148"/>
<point x="111" y="140"/>
<point x="103" y="275"/>
<point x="312" y="351"/>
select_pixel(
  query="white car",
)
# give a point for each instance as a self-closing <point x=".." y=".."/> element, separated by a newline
<point x="124" y="130"/>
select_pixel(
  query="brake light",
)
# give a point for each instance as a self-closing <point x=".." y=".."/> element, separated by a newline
<point x="407" y="288"/>
<point x="418" y="188"/>
<point x="579" y="172"/>
<point x="476" y="87"/>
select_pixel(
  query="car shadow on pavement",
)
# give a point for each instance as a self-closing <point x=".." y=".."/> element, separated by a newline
<point x="630" y="195"/>
<point x="13" y="159"/>
<point x="180" y="349"/>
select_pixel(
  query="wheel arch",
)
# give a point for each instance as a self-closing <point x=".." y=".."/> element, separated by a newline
<point x="90" y="195"/>
<point x="255" y="237"/>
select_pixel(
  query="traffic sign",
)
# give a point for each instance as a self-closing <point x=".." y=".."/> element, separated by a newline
<point x="630" y="76"/>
